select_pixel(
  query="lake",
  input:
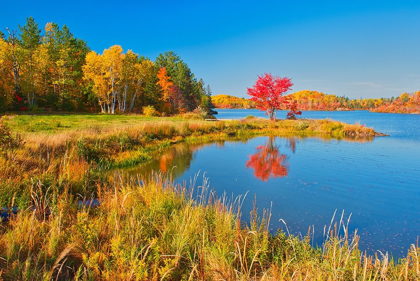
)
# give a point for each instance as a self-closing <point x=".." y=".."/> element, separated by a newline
<point x="305" y="180"/>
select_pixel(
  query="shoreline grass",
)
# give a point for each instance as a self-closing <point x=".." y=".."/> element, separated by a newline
<point x="151" y="229"/>
<point x="77" y="155"/>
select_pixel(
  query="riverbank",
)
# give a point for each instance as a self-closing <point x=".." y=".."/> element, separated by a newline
<point x="74" y="150"/>
<point x="153" y="230"/>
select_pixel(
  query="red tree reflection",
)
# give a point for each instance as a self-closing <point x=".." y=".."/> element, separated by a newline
<point x="268" y="162"/>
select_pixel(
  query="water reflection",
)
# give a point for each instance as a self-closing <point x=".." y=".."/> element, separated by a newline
<point x="268" y="162"/>
<point x="376" y="182"/>
<point x="175" y="161"/>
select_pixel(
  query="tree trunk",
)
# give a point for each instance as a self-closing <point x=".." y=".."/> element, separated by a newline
<point x="132" y="101"/>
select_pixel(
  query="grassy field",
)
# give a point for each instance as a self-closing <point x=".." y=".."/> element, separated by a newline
<point x="54" y="123"/>
<point x="151" y="229"/>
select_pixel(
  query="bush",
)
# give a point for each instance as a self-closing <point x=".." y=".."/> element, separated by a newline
<point x="202" y="112"/>
<point x="149" y="111"/>
<point x="192" y="116"/>
<point x="8" y="142"/>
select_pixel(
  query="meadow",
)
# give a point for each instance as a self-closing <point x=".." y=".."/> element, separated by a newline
<point x="76" y="220"/>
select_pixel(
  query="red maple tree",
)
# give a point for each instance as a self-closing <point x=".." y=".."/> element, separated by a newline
<point x="268" y="91"/>
<point x="293" y="106"/>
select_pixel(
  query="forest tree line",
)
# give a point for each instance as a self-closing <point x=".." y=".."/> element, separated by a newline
<point x="313" y="100"/>
<point x="52" y="70"/>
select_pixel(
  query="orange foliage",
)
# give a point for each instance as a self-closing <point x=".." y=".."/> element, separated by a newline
<point x="405" y="103"/>
<point x="165" y="83"/>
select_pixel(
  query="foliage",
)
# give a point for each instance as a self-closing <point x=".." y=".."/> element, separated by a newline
<point x="267" y="93"/>
<point x="149" y="111"/>
<point x="226" y="101"/>
<point x="313" y="100"/>
<point x="187" y="93"/>
<point x="405" y="103"/>
<point x="164" y="83"/>
<point x="50" y="69"/>
<point x="293" y="110"/>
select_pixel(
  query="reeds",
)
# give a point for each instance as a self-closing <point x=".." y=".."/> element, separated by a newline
<point x="152" y="229"/>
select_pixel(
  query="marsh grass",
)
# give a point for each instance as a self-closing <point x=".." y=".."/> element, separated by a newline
<point x="152" y="229"/>
<point x="78" y="156"/>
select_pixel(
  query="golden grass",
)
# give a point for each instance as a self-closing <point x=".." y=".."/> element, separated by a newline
<point x="151" y="229"/>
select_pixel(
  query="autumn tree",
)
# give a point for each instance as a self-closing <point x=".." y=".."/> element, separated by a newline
<point x="112" y="63"/>
<point x="105" y="72"/>
<point x="14" y="62"/>
<point x="182" y="76"/>
<point x="136" y="72"/>
<point x="6" y="77"/>
<point x="93" y="71"/>
<point x="129" y="80"/>
<point x="165" y="83"/>
<point x="293" y="110"/>
<point x="51" y="69"/>
<point x="146" y="88"/>
<point x="226" y="101"/>
<point x="267" y="93"/>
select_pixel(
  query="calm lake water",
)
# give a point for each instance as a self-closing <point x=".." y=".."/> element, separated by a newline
<point x="306" y="180"/>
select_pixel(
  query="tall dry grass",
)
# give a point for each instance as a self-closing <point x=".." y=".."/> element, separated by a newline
<point x="152" y="229"/>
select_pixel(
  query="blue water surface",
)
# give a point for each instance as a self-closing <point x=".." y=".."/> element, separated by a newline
<point x="377" y="182"/>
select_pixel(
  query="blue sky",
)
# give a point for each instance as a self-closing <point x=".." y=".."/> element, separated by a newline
<point x="354" y="48"/>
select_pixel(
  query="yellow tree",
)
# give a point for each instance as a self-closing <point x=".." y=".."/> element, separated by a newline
<point x="129" y="78"/>
<point x="13" y="53"/>
<point x="41" y="62"/>
<point x="6" y="76"/>
<point x="34" y="74"/>
<point x="112" y="63"/>
<point x="93" y="72"/>
<point x="145" y="72"/>
<point x="50" y="41"/>
<point x="105" y="72"/>
<point x="61" y="67"/>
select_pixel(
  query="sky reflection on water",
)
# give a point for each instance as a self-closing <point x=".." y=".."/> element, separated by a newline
<point x="305" y="180"/>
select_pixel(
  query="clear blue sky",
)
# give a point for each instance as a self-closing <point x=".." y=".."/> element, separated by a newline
<point x="355" y="48"/>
